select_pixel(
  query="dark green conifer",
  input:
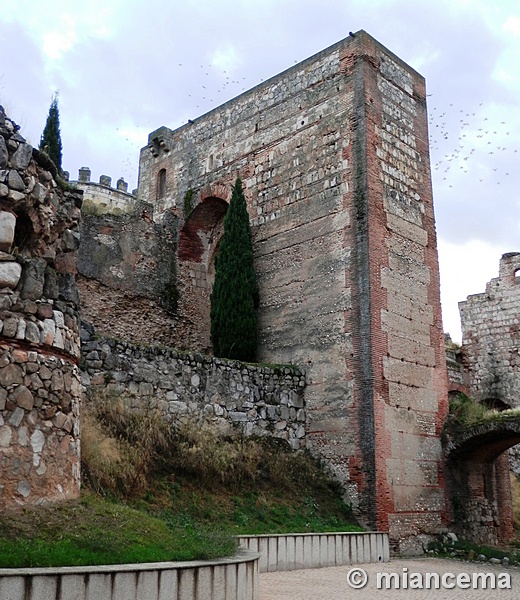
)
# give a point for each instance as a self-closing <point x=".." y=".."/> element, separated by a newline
<point x="234" y="299"/>
<point x="50" y="141"/>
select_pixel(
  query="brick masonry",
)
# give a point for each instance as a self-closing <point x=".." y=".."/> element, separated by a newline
<point x="333" y="154"/>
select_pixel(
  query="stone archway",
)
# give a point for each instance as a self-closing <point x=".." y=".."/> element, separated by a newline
<point x="478" y="479"/>
<point x="199" y="240"/>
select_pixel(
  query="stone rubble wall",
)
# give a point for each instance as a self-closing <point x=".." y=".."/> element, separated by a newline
<point x="40" y="385"/>
<point x="257" y="400"/>
<point x="491" y="336"/>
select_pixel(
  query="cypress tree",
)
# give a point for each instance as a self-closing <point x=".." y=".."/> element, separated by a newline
<point x="50" y="141"/>
<point x="234" y="299"/>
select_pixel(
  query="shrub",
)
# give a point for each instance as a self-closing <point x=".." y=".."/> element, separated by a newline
<point x="50" y="141"/>
<point x="234" y="299"/>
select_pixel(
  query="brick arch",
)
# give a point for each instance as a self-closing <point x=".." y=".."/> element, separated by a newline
<point x="200" y="227"/>
<point x="477" y="474"/>
<point x="486" y="441"/>
<point x="199" y="239"/>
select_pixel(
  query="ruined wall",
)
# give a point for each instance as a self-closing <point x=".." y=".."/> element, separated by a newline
<point x="257" y="400"/>
<point x="491" y="336"/>
<point x="333" y="154"/>
<point x="128" y="275"/>
<point x="484" y="511"/>
<point x="39" y="327"/>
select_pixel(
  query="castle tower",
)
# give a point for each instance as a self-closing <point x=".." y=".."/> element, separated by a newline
<point x="40" y="385"/>
<point x="334" y="158"/>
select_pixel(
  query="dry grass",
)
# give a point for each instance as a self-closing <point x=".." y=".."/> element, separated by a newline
<point x="124" y="451"/>
<point x="121" y="448"/>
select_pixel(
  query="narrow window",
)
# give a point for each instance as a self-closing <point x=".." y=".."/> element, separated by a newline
<point x="517" y="276"/>
<point x="161" y="183"/>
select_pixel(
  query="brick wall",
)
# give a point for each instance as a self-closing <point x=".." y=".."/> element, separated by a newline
<point x="334" y="158"/>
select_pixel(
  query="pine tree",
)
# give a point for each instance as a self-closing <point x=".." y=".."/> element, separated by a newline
<point x="234" y="299"/>
<point x="50" y="141"/>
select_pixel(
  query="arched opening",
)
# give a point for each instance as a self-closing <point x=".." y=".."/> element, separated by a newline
<point x="199" y="240"/>
<point x="478" y="477"/>
<point x="161" y="184"/>
<point x="201" y="229"/>
<point x="517" y="276"/>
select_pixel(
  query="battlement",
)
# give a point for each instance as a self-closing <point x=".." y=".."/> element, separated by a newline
<point x="102" y="198"/>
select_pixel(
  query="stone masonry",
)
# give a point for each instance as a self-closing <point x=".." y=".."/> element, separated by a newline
<point x="479" y="474"/>
<point x="333" y="154"/>
<point x="491" y="336"/>
<point x="253" y="399"/>
<point x="40" y="384"/>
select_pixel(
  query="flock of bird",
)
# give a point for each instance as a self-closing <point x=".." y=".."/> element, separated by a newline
<point x="462" y="142"/>
<point x="471" y="143"/>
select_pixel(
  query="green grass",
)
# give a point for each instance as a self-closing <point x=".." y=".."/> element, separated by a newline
<point x="466" y="412"/>
<point x="471" y="551"/>
<point x="154" y="494"/>
<point x="94" y="530"/>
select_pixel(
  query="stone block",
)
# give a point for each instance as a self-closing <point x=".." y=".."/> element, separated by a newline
<point x="3" y="153"/>
<point x="15" y="182"/>
<point x="32" y="280"/>
<point x="10" y="375"/>
<point x="17" y="416"/>
<point x="22" y="157"/>
<point x="408" y="373"/>
<point x="23" y="397"/>
<point x="7" y="227"/>
<point x="6" y="435"/>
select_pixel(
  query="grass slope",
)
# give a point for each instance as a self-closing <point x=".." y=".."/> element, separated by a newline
<point x="155" y="494"/>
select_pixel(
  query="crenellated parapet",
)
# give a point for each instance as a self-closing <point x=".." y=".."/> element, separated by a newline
<point x="101" y="198"/>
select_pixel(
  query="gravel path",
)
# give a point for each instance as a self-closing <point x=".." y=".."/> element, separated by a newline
<point x="331" y="583"/>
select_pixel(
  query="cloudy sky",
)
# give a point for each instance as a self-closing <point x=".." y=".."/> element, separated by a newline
<point x="124" y="68"/>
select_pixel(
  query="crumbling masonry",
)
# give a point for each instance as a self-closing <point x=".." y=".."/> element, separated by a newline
<point x="40" y="383"/>
<point x="333" y="154"/>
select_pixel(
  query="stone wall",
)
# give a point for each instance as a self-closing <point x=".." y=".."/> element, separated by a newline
<point x="101" y="198"/>
<point x="40" y="384"/>
<point x="491" y="336"/>
<point x="333" y="154"/>
<point x="257" y="400"/>
<point x="457" y="368"/>
<point x="481" y="502"/>
<point x="128" y="274"/>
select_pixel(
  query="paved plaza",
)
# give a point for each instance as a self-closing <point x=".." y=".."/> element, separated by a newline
<point x="331" y="583"/>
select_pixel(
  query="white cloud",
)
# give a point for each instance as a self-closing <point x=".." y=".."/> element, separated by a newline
<point x="512" y="25"/>
<point x="227" y="59"/>
<point x="465" y="269"/>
